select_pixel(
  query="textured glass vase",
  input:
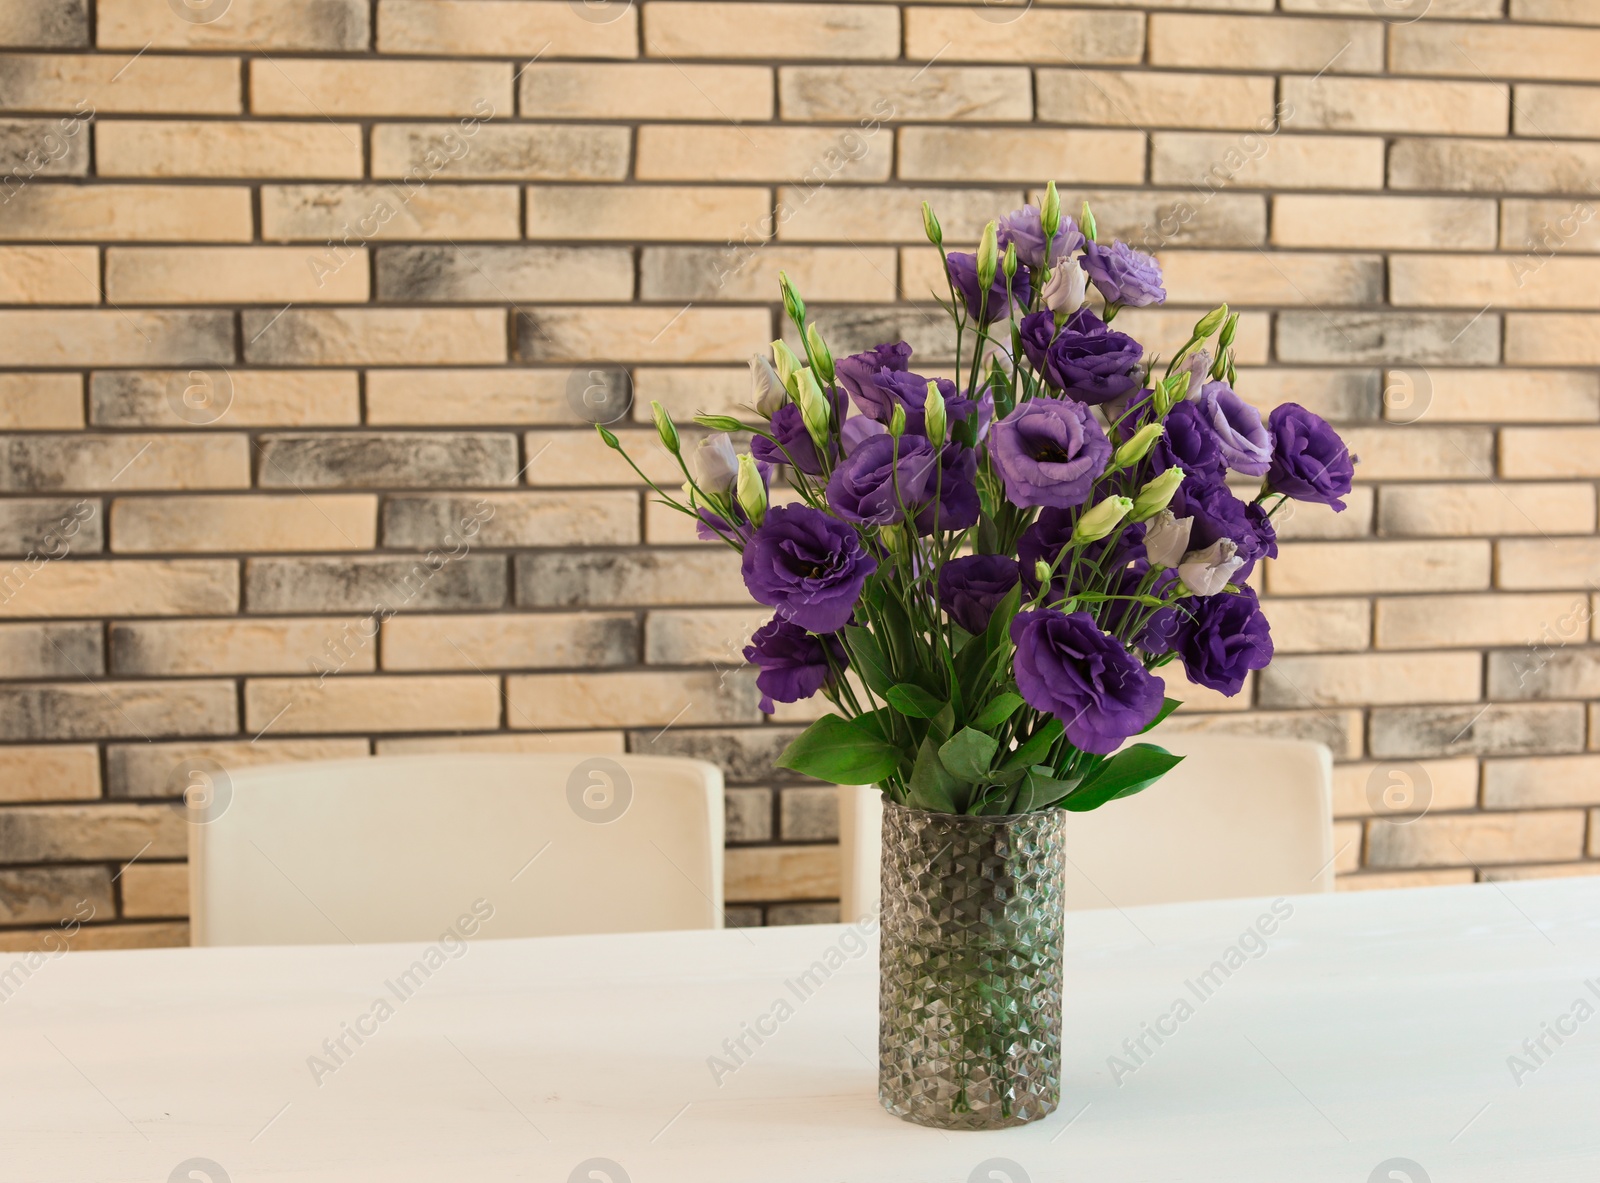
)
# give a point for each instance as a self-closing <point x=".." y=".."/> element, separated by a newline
<point x="969" y="996"/>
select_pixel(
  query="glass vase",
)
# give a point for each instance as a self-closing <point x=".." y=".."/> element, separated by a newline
<point x="969" y="997"/>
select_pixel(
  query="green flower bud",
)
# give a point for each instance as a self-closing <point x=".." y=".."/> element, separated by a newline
<point x="1101" y="520"/>
<point x="668" y="433"/>
<point x="988" y="256"/>
<point x="609" y="437"/>
<point x="1087" y="224"/>
<point x="1157" y="494"/>
<point x="897" y="421"/>
<point x="820" y="355"/>
<point x="792" y="302"/>
<point x="1229" y="327"/>
<point x="813" y="408"/>
<point x="751" y="490"/>
<point x="1210" y="322"/>
<point x="785" y="361"/>
<point x="1008" y="265"/>
<point x="1170" y="391"/>
<point x="1050" y="215"/>
<point x="1041" y="572"/>
<point x="934" y="410"/>
<point x="1136" y="448"/>
<point x="720" y="422"/>
<point x="930" y="225"/>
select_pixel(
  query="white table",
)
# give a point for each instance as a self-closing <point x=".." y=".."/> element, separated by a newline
<point x="1374" y="1027"/>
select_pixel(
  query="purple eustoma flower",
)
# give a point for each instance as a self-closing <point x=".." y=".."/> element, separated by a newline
<point x="1025" y="227"/>
<point x="879" y="381"/>
<point x="963" y="268"/>
<point x="1085" y="359"/>
<point x="793" y="663"/>
<point x="957" y="506"/>
<point x="1245" y="445"/>
<point x="1049" y="452"/>
<point x="1068" y="668"/>
<point x="1188" y="443"/>
<point x="808" y="566"/>
<point x="971" y="588"/>
<point x="883" y="478"/>
<point x="1052" y="531"/>
<point x="1123" y="275"/>
<point x="1309" y="460"/>
<point x="1222" y="638"/>
<point x="791" y="439"/>
<point x="1218" y="514"/>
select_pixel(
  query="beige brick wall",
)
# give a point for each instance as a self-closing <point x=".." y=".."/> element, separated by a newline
<point x="287" y="295"/>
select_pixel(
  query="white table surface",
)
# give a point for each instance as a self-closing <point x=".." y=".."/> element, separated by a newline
<point x="1374" y="1027"/>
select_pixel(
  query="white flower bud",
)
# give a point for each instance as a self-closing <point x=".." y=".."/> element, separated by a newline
<point x="1206" y="572"/>
<point x="1166" y="538"/>
<point x="714" y="464"/>
<point x="1196" y="365"/>
<point x="1100" y="520"/>
<point x="766" y="388"/>
<point x="1067" y="289"/>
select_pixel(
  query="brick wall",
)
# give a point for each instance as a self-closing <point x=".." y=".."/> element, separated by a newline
<point x="305" y="303"/>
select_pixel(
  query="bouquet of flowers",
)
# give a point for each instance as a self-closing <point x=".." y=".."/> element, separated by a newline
<point x="980" y="573"/>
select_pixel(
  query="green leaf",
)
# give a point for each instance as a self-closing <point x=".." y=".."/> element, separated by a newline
<point x="932" y="787"/>
<point x="943" y="723"/>
<point x="1040" y="790"/>
<point x="1168" y="705"/>
<point x="998" y="633"/>
<point x="867" y="659"/>
<point x="998" y="711"/>
<point x="1128" y="772"/>
<point x="1035" y="746"/>
<point x="913" y="700"/>
<point x="969" y="753"/>
<point x="988" y="537"/>
<point x="842" y="752"/>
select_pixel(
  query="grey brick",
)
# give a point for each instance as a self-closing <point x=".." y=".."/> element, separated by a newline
<point x="40" y="895"/>
<point x="532" y="152"/>
<point x="803" y="914"/>
<point x="44" y="23"/>
<point x="139" y="710"/>
<point x="30" y="524"/>
<point x="51" y="650"/>
<point x="519" y="519"/>
<point x="741" y="916"/>
<point x="82" y="832"/>
<point x="746" y="755"/>
<point x="837" y="94"/>
<point x="390" y="459"/>
<point x="1456" y="338"/>
<point x="854" y="330"/>
<point x="362" y="584"/>
<point x="629" y="578"/>
<point x="503" y="274"/>
<point x="1154" y="219"/>
<point x="807" y="814"/>
<point x="39" y="148"/>
<point x="161" y="769"/>
<point x="1540" y="672"/>
<point x="52" y="463"/>
<point x="1325" y="727"/>
<point x="748" y="814"/>
<point x="1495" y="730"/>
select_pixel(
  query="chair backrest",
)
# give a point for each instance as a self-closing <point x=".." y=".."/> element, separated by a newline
<point x="406" y="848"/>
<point x="1239" y="817"/>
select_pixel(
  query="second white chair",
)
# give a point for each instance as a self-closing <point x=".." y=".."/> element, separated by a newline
<point x="402" y="848"/>
<point x="1239" y="817"/>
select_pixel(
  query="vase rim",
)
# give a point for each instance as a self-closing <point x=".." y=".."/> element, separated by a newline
<point x="966" y="817"/>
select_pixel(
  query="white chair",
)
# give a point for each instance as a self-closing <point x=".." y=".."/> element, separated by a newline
<point x="1239" y="817"/>
<point x="406" y="848"/>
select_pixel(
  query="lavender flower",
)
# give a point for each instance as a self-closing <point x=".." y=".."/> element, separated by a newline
<point x="963" y="268"/>
<point x="1243" y="441"/>
<point x="793" y="663"/>
<point x="1049" y="452"/>
<point x="1068" y="668"/>
<point x="1124" y="275"/>
<point x="1309" y="460"/>
<point x="808" y="566"/>
<point x="1085" y="359"/>
<point x="1025" y="227"/>
<point x="971" y="588"/>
